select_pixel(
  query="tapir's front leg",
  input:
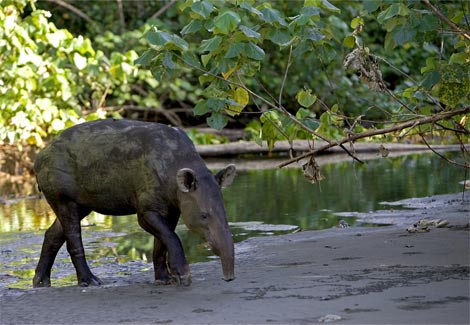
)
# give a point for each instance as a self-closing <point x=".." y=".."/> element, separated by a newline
<point x="166" y="240"/>
<point x="159" y="256"/>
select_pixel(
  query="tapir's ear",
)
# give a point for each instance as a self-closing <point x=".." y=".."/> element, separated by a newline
<point x="225" y="176"/>
<point x="186" y="180"/>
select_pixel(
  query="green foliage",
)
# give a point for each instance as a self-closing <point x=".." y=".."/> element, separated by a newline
<point x="294" y="52"/>
<point x="282" y="61"/>
<point x="205" y="138"/>
<point x="49" y="79"/>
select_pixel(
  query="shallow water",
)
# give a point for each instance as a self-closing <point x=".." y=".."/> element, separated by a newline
<point x="259" y="203"/>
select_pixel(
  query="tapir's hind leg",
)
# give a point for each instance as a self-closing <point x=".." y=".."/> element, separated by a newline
<point x="70" y="214"/>
<point x="65" y="229"/>
<point x="53" y="241"/>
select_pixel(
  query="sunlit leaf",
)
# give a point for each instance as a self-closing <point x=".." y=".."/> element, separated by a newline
<point x="79" y="61"/>
<point x="305" y="98"/>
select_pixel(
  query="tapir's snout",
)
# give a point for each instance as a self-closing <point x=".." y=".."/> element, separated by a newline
<point x="221" y="244"/>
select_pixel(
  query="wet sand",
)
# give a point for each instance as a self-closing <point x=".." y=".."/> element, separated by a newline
<point x="382" y="275"/>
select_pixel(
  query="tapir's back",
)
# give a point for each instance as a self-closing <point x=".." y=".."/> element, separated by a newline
<point x="106" y="164"/>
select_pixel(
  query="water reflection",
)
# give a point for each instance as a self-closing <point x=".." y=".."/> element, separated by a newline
<point x="259" y="203"/>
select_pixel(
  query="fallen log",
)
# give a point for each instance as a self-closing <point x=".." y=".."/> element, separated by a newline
<point x="302" y="146"/>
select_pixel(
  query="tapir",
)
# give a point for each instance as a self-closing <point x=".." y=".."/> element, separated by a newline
<point x="122" y="167"/>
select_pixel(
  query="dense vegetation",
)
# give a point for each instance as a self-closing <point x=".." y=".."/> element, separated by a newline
<point x="314" y="69"/>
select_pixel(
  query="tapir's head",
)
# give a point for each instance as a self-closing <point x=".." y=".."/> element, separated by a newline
<point x="202" y="208"/>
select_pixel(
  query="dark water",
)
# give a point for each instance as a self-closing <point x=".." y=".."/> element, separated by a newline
<point x="259" y="203"/>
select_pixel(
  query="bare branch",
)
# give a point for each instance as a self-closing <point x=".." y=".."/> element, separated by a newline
<point x="446" y="20"/>
<point x="412" y="123"/>
<point x="73" y="9"/>
<point x="289" y="62"/>
<point x="442" y="156"/>
<point x="122" y="21"/>
<point x="162" y="10"/>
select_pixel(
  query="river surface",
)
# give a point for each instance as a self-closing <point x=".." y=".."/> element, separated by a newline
<point x="259" y="203"/>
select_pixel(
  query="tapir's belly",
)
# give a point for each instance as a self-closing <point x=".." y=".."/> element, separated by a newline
<point x="107" y="195"/>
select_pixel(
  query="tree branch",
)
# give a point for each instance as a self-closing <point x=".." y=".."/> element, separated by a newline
<point x="73" y="9"/>
<point x="289" y="62"/>
<point x="444" y="157"/>
<point x="122" y="21"/>
<point x="162" y="10"/>
<point x="446" y="20"/>
<point x="395" y="128"/>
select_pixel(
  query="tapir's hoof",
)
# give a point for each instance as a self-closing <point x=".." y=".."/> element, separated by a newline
<point x="41" y="283"/>
<point x="90" y="281"/>
<point x="163" y="281"/>
<point x="182" y="280"/>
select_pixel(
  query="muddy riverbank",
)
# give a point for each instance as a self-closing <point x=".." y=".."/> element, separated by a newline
<point x="348" y="275"/>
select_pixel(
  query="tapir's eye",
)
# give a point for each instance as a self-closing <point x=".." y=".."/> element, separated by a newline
<point x="204" y="216"/>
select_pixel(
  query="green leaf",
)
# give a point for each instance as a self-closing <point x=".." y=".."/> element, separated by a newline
<point x="215" y="104"/>
<point x="226" y="22"/>
<point x="460" y="58"/>
<point x="357" y="22"/>
<point x="305" y="98"/>
<point x="328" y="6"/>
<point x="430" y="79"/>
<point x="273" y="16"/>
<point x="201" y="108"/>
<point x="191" y="59"/>
<point x="180" y="43"/>
<point x="349" y="41"/>
<point x="403" y="34"/>
<point x="193" y="27"/>
<point x="428" y="23"/>
<point x="310" y="11"/>
<point x="235" y="50"/>
<point x="280" y="37"/>
<point x="248" y="32"/>
<point x="205" y="59"/>
<point x="158" y="38"/>
<point x="165" y="39"/>
<point x="217" y="121"/>
<point x="79" y="61"/>
<point x="210" y="44"/>
<point x="168" y="61"/>
<point x="146" y="57"/>
<point x="312" y="34"/>
<point x="371" y="5"/>
<point x="388" y="13"/>
<point x="203" y="8"/>
<point x="254" y="52"/>
<point x="247" y="6"/>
